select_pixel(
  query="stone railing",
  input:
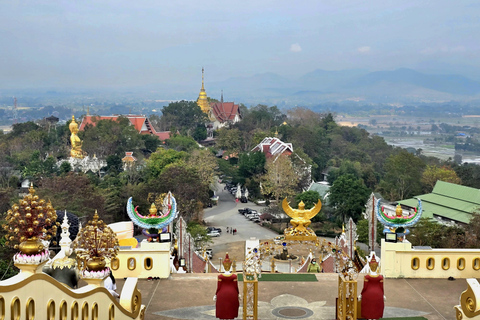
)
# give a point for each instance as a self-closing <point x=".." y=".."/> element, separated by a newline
<point x="39" y="296"/>
<point x="400" y="260"/>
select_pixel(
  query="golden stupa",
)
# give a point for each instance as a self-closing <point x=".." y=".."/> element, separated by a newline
<point x="202" y="100"/>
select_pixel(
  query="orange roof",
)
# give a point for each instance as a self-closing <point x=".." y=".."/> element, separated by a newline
<point x="129" y="157"/>
<point x="140" y="122"/>
<point x="163" y="135"/>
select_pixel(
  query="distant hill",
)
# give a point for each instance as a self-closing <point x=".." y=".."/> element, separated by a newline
<point x="453" y="84"/>
<point x="401" y="85"/>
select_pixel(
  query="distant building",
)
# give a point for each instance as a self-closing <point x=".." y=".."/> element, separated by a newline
<point x="448" y="203"/>
<point x="225" y="113"/>
<point x="128" y="161"/>
<point x="202" y="100"/>
<point x="140" y="122"/>
<point x="220" y="113"/>
<point x="274" y="147"/>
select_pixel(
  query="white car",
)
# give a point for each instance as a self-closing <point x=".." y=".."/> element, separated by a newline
<point x="213" y="233"/>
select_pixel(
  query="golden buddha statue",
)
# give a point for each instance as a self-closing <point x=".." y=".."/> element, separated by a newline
<point x="300" y="221"/>
<point x="399" y="211"/>
<point x="76" y="151"/>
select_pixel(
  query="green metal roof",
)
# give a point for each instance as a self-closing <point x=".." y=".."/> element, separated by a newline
<point x="448" y="200"/>
<point x="321" y="188"/>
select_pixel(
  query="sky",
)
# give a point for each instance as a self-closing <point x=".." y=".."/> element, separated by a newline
<point x="125" y="43"/>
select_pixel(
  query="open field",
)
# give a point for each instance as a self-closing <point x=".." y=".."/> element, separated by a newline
<point x="381" y="124"/>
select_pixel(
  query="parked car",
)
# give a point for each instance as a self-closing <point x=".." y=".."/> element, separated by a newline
<point x="251" y="214"/>
<point x="214" y="229"/>
<point x="244" y="210"/>
<point x="213" y="233"/>
<point x="243" y="199"/>
<point x="256" y="219"/>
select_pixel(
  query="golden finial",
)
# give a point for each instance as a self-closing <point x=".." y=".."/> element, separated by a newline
<point x="398" y="210"/>
<point x="95" y="242"/>
<point x="153" y="210"/>
<point x="301" y="205"/>
<point x="30" y="221"/>
<point x="276" y="133"/>
<point x="343" y="228"/>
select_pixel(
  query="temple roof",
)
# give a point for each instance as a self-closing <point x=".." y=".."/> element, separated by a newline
<point x="140" y="122"/>
<point x="225" y="111"/>
<point x="448" y="201"/>
<point x="273" y="147"/>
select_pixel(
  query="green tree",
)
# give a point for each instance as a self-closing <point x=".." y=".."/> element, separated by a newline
<point x="199" y="234"/>
<point x="251" y="164"/>
<point x="183" y="115"/>
<point x="205" y="163"/>
<point x="75" y="192"/>
<point x="348" y="196"/>
<point x="182" y="143"/>
<point x="280" y="179"/>
<point x="434" y="173"/>
<point x="110" y="137"/>
<point x="161" y="158"/>
<point x="186" y="185"/>
<point x="229" y="140"/>
<point x="310" y="198"/>
<point x="403" y="176"/>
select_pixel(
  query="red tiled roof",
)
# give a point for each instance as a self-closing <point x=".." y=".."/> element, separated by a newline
<point x="163" y="135"/>
<point x="225" y="111"/>
<point x="141" y="124"/>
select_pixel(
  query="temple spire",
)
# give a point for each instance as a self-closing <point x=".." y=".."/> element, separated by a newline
<point x="222" y="97"/>
<point x="202" y="100"/>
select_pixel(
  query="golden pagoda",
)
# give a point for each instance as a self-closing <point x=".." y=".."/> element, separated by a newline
<point x="202" y="100"/>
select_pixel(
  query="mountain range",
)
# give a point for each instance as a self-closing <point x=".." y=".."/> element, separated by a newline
<point x="397" y="86"/>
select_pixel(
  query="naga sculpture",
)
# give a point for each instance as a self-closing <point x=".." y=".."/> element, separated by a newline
<point x="155" y="220"/>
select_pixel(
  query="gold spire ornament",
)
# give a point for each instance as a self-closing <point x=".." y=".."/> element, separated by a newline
<point x="202" y="100"/>
<point x="29" y="222"/>
<point x="300" y="221"/>
<point x="76" y="151"/>
<point x="95" y="243"/>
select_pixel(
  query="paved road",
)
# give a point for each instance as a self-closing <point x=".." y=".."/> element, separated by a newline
<point x="225" y="214"/>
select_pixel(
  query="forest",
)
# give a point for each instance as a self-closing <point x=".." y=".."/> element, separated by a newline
<point x="357" y="164"/>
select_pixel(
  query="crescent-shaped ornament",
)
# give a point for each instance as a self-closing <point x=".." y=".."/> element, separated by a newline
<point x="158" y="222"/>
<point x="397" y="222"/>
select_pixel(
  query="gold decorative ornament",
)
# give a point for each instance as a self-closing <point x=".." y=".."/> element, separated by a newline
<point x="76" y="151"/>
<point x="95" y="243"/>
<point x="29" y="222"/>
<point x="300" y="221"/>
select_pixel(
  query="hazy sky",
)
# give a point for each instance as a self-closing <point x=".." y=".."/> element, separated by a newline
<point x="135" y="43"/>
